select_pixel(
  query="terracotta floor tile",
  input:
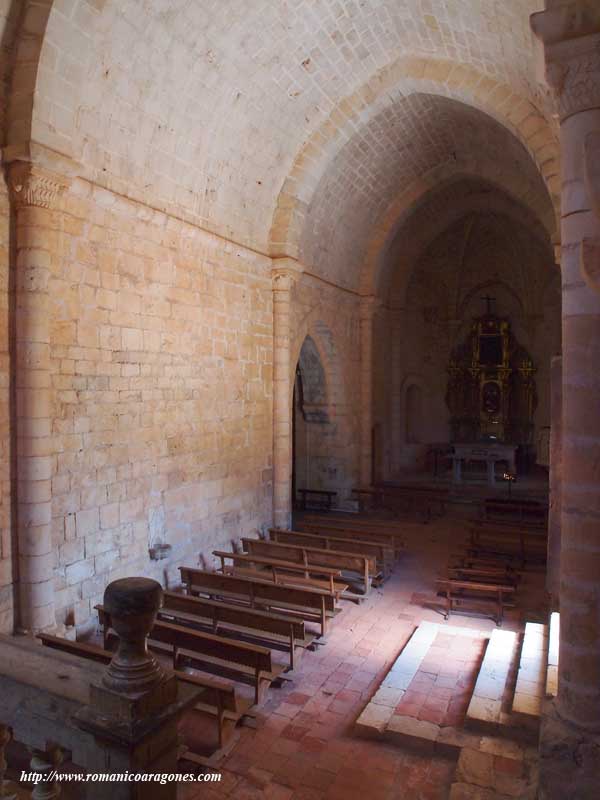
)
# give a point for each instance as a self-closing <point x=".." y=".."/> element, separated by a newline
<point x="436" y="704"/>
<point x="297" y="698"/>
<point x="310" y="744"/>
<point x="415" y="697"/>
<point x="307" y="793"/>
<point x="441" y="692"/>
<point x="431" y="715"/>
<point x="304" y="746"/>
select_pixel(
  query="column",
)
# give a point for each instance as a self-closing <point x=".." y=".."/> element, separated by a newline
<point x="34" y="194"/>
<point x="554" y="515"/>
<point x="396" y="366"/>
<point x="368" y="306"/>
<point x="570" y="742"/>
<point x="285" y="273"/>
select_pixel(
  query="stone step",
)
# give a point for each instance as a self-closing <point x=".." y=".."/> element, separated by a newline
<point x="485" y="710"/>
<point x="531" y="679"/>
<point x="552" y="672"/>
<point x="378" y="712"/>
<point x="381" y="718"/>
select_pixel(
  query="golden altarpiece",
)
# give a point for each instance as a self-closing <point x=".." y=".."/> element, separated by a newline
<point x="491" y="391"/>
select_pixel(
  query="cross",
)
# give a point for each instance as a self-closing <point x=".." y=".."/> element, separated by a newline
<point x="488" y="301"/>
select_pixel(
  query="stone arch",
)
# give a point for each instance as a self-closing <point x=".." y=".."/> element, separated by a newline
<point x="25" y="34"/>
<point x="410" y="75"/>
<point x="312" y="382"/>
<point x="399" y="211"/>
<point x="323" y="341"/>
<point x="329" y="420"/>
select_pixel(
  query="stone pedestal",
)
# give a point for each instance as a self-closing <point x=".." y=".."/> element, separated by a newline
<point x="135" y="709"/>
<point x="570" y="32"/>
<point x="285" y="273"/>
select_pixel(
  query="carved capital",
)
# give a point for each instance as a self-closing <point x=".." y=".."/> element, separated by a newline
<point x="570" y="33"/>
<point x="31" y="185"/>
<point x="285" y="272"/>
<point x="581" y="84"/>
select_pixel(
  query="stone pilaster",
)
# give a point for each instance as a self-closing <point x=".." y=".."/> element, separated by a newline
<point x="570" y="745"/>
<point x="285" y="273"/>
<point x="396" y="405"/>
<point x="35" y="193"/>
<point x="368" y="307"/>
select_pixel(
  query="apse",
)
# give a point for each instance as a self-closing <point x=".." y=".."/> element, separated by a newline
<point x="481" y="267"/>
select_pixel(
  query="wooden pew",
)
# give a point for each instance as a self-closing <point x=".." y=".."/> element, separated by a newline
<point x="326" y="497"/>
<point x="363" y="565"/>
<point x="365" y="533"/>
<point x="279" y="571"/>
<point x="312" y="605"/>
<point x="483" y="574"/>
<point x="368" y="498"/>
<point x="475" y="593"/>
<point x="356" y="521"/>
<point x="413" y="500"/>
<point x="502" y="526"/>
<point x="529" y="546"/>
<point x="241" y="658"/>
<point x="520" y="510"/>
<point x="279" y="630"/>
<point x="218" y="699"/>
<point x="485" y="564"/>
<point x="383" y="553"/>
<point x="293" y="583"/>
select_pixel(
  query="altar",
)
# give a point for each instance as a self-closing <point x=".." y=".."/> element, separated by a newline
<point x="491" y="454"/>
<point x="491" y="395"/>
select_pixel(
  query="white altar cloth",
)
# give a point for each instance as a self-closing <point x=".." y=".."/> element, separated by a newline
<point x="490" y="453"/>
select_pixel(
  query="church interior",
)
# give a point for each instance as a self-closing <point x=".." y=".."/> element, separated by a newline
<point x="300" y="399"/>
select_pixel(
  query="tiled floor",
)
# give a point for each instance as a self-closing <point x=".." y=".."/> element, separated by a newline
<point x="441" y="689"/>
<point x="303" y="746"/>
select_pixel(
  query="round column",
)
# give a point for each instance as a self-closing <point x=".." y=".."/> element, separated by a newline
<point x="34" y="194"/>
<point x="570" y="745"/>
<point x="284" y="275"/>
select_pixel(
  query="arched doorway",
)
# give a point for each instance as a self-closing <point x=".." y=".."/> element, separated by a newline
<point x="311" y="428"/>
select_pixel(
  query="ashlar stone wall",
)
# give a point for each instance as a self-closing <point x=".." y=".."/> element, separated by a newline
<point x="161" y="340"/>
